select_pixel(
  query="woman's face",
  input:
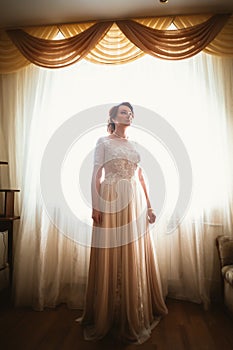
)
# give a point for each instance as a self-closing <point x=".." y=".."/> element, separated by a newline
<point x="124" y="115"/>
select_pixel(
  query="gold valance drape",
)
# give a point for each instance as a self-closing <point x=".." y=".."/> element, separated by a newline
<point x="58" y="53"/>
<point x="116" y="42"/>
<point x="173" y="44"/>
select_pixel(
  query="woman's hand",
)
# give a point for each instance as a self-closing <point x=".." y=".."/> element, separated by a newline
<point x="151" y="215"/>
<point x="97" y="216"/>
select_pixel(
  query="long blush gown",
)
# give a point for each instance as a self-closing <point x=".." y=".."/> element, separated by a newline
<point x="124" y="294"/>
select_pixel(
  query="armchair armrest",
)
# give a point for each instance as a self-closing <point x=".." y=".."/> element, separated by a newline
<point x="225" y="250"/>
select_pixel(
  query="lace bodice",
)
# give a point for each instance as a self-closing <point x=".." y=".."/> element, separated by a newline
<point x="119" y="157"/>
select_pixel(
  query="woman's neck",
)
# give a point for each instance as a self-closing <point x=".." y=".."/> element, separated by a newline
<point x="120" y="133"/>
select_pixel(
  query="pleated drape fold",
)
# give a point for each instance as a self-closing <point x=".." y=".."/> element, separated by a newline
<point x="173" y="44"/>
<point x="58" y="53"/>
<point x="116" y="42"/>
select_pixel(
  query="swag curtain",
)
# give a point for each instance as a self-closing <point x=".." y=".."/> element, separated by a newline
<point x="51" y="268"/>
<point x="119" y="42"/>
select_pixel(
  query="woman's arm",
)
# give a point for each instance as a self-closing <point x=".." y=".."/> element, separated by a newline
<point x="95" y="192"/>
<point x="151" y="214"/>
<point x="95" y="182"/>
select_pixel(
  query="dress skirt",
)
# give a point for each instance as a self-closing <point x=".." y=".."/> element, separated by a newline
<point x="124" y="294"/>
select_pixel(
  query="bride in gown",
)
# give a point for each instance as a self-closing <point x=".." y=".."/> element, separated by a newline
<point x="124" y="294"/>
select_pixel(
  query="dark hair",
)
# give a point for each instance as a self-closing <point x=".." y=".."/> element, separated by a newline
<point x="112" y="115"/>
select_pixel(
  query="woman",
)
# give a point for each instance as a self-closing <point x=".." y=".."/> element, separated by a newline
<point x="124" y="295"/>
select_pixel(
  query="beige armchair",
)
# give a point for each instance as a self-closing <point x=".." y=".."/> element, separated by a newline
<point x="225" y="251"/>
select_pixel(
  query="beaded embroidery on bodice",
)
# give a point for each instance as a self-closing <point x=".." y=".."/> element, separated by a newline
<point x="119" y="157"/>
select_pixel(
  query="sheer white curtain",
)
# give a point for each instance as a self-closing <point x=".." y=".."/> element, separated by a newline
<point x="194" y="96"/>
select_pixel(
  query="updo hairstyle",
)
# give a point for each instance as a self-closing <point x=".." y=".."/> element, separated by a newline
<point x="113" y="113"/>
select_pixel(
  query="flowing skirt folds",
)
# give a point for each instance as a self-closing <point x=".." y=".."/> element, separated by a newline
<point x="124" y="293"/>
